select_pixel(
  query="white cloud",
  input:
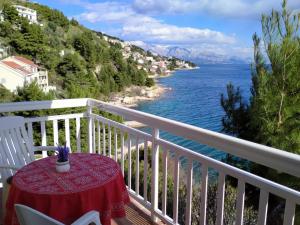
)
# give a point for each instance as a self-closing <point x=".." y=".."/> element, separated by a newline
<point x="152" y="30"/>
<point x="233" y="8"/>
<point x="137" y="26"/>
<point x="136" y="21"/>
<point x="129" y="23"/>
<point x="106" y="12"/>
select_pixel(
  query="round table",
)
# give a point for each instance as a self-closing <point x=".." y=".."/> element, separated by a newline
<point x="94" y="182"/>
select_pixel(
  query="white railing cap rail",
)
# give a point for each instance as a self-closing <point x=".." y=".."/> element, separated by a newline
<point x="39" y="105"/>
<point x="279" y="160"/>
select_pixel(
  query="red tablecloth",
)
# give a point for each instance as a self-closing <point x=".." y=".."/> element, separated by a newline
<point x="94" y="183"/>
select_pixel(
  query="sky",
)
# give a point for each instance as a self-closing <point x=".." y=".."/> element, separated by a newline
<point x="222" y="27"/>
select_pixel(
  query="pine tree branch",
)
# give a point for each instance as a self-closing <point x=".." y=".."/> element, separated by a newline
<point x="280" y="111"/>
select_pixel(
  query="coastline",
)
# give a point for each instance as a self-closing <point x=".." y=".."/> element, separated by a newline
<point x="133" y="95"/>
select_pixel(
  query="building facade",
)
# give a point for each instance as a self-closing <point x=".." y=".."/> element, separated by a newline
<point x="16" y="71"/>
<point x="28" y="13"/>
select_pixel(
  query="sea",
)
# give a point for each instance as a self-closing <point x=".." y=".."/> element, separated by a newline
<point x="193" y="97"/>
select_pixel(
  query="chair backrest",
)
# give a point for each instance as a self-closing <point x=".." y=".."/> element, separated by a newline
<point x="29" y="216"/>
<point x="15" y="146"/>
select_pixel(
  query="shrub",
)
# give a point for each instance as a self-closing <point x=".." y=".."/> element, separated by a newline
<point x="149" y="82"/>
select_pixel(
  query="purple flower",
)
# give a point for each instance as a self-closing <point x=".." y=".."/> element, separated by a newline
<point x="63" y="153"/>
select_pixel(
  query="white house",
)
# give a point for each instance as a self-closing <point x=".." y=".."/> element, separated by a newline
<point x="105" y="38"/>
<point x="136" y="56"/>
<point x="162" y="64"/>
<point x="15" y="71"/>
<point x="126" y="55"/>
<point x="127" y="49"/>
<point x="149" y="58"/>
<point x="28" y="13"/>
<point x="140" y="61"/>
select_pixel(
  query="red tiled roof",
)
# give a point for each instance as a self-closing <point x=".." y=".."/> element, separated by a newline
<point x="11" y="64"/>
<point x="24" y="60"/>
<point x="16" y="66"/>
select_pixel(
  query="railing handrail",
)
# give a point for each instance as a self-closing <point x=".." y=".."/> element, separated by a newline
<point x="40" y="105"/>
<point x="279" y="160"/>
<point x="274" y="158"/>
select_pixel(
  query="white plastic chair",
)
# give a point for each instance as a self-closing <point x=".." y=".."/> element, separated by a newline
<point x="29" y="216"/>
<point x="16" y="149"/>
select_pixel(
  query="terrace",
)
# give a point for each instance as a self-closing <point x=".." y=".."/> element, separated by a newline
<point x="84" y="126"/>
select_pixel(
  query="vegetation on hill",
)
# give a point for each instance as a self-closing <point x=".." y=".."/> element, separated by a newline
<point x="80" y="62"/>
<point x="5" y="95"/>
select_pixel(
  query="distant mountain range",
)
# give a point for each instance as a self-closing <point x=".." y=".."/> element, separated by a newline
<point x="191" y="54"/>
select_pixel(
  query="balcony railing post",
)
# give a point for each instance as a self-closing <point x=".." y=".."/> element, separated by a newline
<point x="155" y="173"/>
<point x="90" y="129"/>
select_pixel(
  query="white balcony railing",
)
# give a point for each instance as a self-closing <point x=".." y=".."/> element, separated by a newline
<point x="116" y="140"/>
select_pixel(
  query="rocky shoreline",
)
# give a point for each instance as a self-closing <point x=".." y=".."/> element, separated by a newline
<point x="131" y="96"/>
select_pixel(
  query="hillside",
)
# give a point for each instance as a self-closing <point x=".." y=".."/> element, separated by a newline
<point x="81" y="62"/>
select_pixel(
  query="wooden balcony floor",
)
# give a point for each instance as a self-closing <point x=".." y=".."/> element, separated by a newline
<point x="135" y="215"/>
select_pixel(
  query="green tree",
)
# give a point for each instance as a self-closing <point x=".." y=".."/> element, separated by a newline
<point x="32" y="92"/>
<point x="83" y="44"/>
<point x="5" y="95"/>
<point x="10" y="13"/>
<point x="30" y="40"/>
<point x="172" y="64"/>
<point x="236" y="119"/>
<point x="81" y="85"/>
<point x="117" y="57"/>
<point x="50" y="15"/>
<point x="11" y="21"/>
<point x="6" y="30"/>
<point x="49" y="59"/>
<point x="138" y="77"/>
<point x="272" y="116"/>
<point x="149" y="82"/>
<point x="70" y="64"/>
<point x="106" y="79"/>
<point x="74" y="22"/>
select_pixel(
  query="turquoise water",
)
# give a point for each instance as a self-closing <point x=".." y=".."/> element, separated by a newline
<point x="194" y="99"/>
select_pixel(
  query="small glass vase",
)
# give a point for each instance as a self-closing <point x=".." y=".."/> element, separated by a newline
<point x="62" y="167"/>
